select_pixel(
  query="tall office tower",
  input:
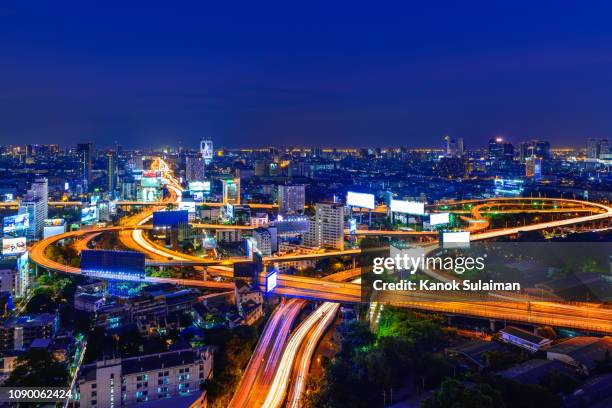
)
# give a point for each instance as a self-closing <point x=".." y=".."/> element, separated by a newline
<point x="231" y="191"/>
<point x="533" y="167"/>
<point x="327" y="229"/>
<point x="35" y="204"/>
<point x="500" y="151"/>
<point x="597" y="148"/>
<point x="85" y="152"/>
<point x="451" y="146"/>
<point x="195" y="168"/>
<point x="111" y="172"/>
<point x="206" y="150"/>
<point x="460" y="147"/>
<point x="291" y="199"/>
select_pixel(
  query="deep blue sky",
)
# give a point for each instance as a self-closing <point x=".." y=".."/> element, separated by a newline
<point x="314" y="73"/>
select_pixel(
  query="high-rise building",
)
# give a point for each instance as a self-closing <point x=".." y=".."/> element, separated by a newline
<point x="500" y="152"/>
<point x="533" y="167"/>
<point x="231" y="191"/>
<point x="597" y="148"/>
<point x="206" y="150"/>
<point x="85" y="152"/>
<point x="327" y="229"/>
<point x="36" y="205"/>
<point x="195" y="168"/>
<point x="291" y="199"/>
<point x="111" y="172"/>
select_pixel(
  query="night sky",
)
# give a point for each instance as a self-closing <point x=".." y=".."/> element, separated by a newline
<point x="318" y="73"/>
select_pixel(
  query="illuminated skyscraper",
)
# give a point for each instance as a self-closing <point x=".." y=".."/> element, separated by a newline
<point x="85" y="151"/>
<point x="231" y="191"/>
<point x="111" y="172"/>
<point x="195" y="168"/>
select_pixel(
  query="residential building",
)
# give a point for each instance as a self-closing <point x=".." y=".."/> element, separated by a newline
<point x="291" y="199"/>
<point x="327" y="228"/>
<point x="127" y="382"/>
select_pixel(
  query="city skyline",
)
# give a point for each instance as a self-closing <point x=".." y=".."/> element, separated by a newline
<point x="260" y="76"/>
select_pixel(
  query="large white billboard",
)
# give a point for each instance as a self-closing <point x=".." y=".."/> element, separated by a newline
<point x="190" y="206"/>
<point x="408" y="207"/>
<point x="455" y="237"/>
<point x="439" y="218"/>
<point x="14" y="246"/>
<point x="362" y="200"/>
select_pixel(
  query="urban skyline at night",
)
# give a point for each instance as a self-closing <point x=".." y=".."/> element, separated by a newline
<point x="306" y="205"/>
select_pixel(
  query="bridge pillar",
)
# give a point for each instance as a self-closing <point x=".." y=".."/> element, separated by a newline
<point x="449" y="320"/>
<point x="492" y="325"/>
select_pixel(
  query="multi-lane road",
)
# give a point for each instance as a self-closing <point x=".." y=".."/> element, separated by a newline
<point x="283" y="348"/>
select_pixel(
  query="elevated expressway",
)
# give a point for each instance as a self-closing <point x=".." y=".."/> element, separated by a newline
<point x="310" y="288"/>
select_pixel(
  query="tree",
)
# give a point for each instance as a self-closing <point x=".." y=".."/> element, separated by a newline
<point x="453" y="394"/>
<point x="37" y="368"/>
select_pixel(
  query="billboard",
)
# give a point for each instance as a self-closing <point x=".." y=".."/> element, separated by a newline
<point x="439" y="218"/>
<point x="15" y="223"/>
<point x="199" y="186"/>
<point x="455" y="237"/>
<point x="14" y="246"/>
<point x="360" y="200"/>
<point x="352" y="225"/>
<point x="89" y="214"/>
<point x="54" y="226"/>
<point x="169" y="218"/>
<point x="149" y="182"/>
<point x="121" y="265"/>
<point x="408" y="207"/>
<point x="189" y="206"/>
<point x="206" y="149"/>
<point x="229" y="211"/>
<point x="271" y="281"/>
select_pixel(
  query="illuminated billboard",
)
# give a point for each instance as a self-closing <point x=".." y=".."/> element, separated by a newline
<point x="439" y="218"/>
<point x="16" y="223"/>
<point x="455" y="237"/>
<point x="14" y="246"/>
<point x="169" y="218"/>
<point x="352" y="225"/>
<point x="229" y="211"/>
<point x="408" y="207"/>
<point x="207" y="151"/>
<point x="360" y="200"/>
<point x="149" y="182"/>
<point x="120" y="265"/>
<point x="271" y="281"/>
<point x="54" y="226"/>
<point x="190" y="206"/>
<point x="201" y="186"/>
<point x="89" y="214"/>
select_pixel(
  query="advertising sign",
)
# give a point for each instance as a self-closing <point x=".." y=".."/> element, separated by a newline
<point x="408" y="207"/>
<point x="15" y="223"/>
<point x="190" y="206"/>
<point x="360" y="200"/>
<point x="271" y="281"/>
<point x="439" y="218"/>
<point x="89" y="214"/>
<point x="14" y="246"/>
<point x="455" y="237"/>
